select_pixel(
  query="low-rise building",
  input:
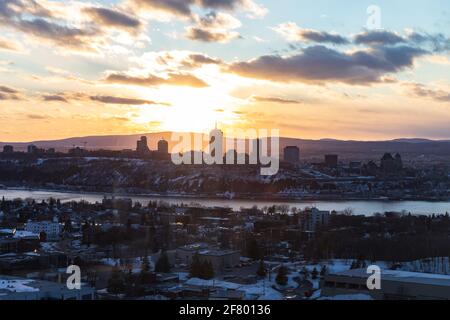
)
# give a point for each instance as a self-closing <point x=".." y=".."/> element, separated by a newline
<point x="51" y="229"/>
<point x="220" y="259"/>
<point x="395" y="285"/>
<point x="8" y="149"/>
<point x="14" y="288"/>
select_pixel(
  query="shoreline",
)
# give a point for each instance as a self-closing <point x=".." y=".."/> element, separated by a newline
<point x="239" y="197"/>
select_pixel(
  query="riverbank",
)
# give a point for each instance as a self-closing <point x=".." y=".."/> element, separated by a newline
<point x="364" y="207"/>
<point x="279" y="197"/>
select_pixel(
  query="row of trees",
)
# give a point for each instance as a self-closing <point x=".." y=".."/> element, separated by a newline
<point x="129" y="283"/>
<point x="381" y="238"/>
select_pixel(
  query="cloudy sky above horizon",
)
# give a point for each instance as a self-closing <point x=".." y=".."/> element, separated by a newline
<point x="311" y="70"/>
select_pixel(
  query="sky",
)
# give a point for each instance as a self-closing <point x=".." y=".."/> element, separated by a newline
<point x="353" y="70"/>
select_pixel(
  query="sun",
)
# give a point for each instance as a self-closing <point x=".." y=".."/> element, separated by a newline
<point x="190" y="110"/>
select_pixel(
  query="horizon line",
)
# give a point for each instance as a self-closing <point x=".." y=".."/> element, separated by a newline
<point x="169" y="132"/>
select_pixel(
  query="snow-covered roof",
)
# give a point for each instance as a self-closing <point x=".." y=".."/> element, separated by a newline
<point x="403" y="276"/>
<point x="14" y="285"/>
<point x="262" y="290"/>
<point x="25" y="234"/>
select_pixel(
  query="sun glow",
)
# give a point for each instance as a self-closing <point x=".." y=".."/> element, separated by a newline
<point x="190" y="110"/>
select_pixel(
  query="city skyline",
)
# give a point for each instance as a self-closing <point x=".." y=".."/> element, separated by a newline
<point x="82" y="68"/>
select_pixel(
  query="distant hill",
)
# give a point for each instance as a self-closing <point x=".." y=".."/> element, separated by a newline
<point x="110" y="142"/>
<point x="362" y="150"/>
<point x="409" y="148"/>
<point x="412" y="140"/>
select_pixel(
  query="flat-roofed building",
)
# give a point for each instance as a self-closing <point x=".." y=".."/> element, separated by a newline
<point x="8" y="149"/>
<point x="142" y="146"/>
<point x="14" y="288"/>
<point x="163" y="146"/>
<point x="32" y="148"/>
<point x="220" y="259"/>
<point x="313" y="219"/>
<point x="51" y="229"/>
<point x="331" y="160"/>
<point x="395" y="285"/>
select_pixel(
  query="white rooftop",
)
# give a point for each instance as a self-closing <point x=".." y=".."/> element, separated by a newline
<point x="16" y="285"/>
<point x="403" y="276"/>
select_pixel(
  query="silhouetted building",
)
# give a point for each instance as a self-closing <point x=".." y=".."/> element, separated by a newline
<point x="355" y="167"/>
<point x="32" y="148"/>
<point x="387" y="162"/>
<point x="142" y="145"/>
<point x="8" y="149"/>
<point x="331" y="160"/>
<point x="163" y="146"/>
<point x="217" y="146"/>
<point x="77" y="151"/>
<point x="391" y="165"/>
<point x="255" y="151"/>
<point x="371" y="168"/>
<point x="398" y="161"/>
<point x="292" y="154"/>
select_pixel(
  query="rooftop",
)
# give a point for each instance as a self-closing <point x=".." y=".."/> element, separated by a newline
<point x="8" y="285"/>
<point x="401" y="276"/>
<point x="216" y="252"/>
<point x="194" y="247"/>
<point x="12" y="286"/>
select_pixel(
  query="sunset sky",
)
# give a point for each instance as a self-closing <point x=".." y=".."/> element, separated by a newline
<point x="311" y="69"/>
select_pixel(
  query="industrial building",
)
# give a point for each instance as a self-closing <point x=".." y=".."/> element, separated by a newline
<point x="395" y="285"/>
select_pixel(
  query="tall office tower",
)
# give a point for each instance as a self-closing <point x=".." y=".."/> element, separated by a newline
<point x="163" y="146"/>
<point x="216" y="143"/>
<point x="331" y="160"/>
<point x="142" y="145"/>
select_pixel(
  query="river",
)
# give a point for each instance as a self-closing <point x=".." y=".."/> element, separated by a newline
<point x="366" y="207"/>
